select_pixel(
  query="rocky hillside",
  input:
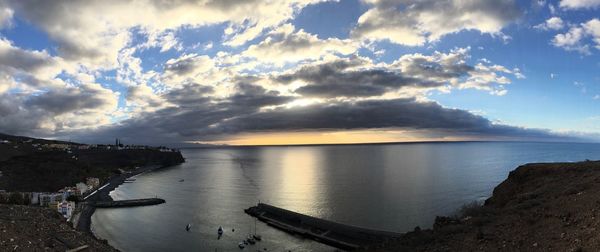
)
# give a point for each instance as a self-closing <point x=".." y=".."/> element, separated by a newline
<point x="539" y="207"/>
<point x="26" y="168"/>
<point x="24" y="228"/>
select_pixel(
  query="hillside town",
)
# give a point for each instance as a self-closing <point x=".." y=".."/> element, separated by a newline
<point x="69" y="147"/>
<point x="64" y="200"/>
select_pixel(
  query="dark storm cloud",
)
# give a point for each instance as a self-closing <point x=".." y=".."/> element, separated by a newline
<point x="194" y="114"/>
<point x="333" y="79"/>
<point x="216" y="121"/>
<point x="182" y="66"/>
<point x="425" y="67"/>
<point x="190" y="95"/>
<point x="61" y="108"/>
<point x="397" y="113"/>
<point x="68" y="100"/>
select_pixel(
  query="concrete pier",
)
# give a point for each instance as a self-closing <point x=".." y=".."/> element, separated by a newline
<point x="128" y="203"/>
<point x="331" y="233"/>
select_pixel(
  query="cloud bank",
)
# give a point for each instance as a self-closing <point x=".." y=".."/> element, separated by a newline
<point x="93" y="83"/>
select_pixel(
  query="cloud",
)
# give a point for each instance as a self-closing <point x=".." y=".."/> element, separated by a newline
<point x="286" y="45"/>
<point x="61" y="109"/>
<point x="342" y="78"/>
<point x="61" y="101"/>
<point x="263" y="87"/>
<point x="592" y="28"/>
<point x="576" y="38"/>
<point x="214" y="122"/>
<point x="6" y="15"/>
<point x="553" y="23"/>
<point x="92" y="32"/>
<point x="187" y="68"/>
<point x="27" y="70"/>
<point x="417" y="23"/>
<point x="142" y="98"/>
<point x="166" y="41"/>
<point x="579" y="4"/>
<point x="350" y="93"/>
<point x="409" y="75"/>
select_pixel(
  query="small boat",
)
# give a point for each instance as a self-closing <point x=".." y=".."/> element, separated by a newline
<point x="188" y="227"/>
<point x="241" y="245"/>
<point x="220" y="231"/>
<point x="181" y="180"/>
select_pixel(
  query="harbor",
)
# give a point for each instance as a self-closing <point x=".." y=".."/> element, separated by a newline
<point x="101" y="198"/>
<point x="328" y="232"/>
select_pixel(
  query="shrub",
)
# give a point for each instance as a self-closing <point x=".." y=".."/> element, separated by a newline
<point x="473" y="209"/>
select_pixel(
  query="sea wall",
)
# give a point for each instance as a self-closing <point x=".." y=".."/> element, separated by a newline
<point x="329" y="232"/>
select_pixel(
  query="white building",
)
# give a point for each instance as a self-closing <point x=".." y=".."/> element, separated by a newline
<point x="82" y="187"/>
<point x="50" y="199"/>
<point x="66" y="208"/>
<point x="35" y="198"/>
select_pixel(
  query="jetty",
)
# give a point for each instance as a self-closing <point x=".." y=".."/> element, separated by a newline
<point x="128" y="203"/>
<point x="331" y="233"/>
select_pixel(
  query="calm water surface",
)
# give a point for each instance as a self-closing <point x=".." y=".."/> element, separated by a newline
<point x="391" y="187"/>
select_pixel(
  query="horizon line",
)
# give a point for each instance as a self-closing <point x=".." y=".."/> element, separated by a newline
<point x="202" y="146"/>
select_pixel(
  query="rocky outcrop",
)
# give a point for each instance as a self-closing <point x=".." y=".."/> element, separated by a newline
<point x="539" y="207"/>
<point x="24" y="228"/>
<point x="26" y="168"/>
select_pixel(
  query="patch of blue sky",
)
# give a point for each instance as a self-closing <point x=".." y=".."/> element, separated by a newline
<point x="334" y="19"/>
<point x="196" y="39"/>
<point x="27" y="36"/>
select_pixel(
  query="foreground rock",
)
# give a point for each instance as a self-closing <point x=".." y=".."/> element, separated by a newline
<point x="540" y="207"/>
<point x="24" y="228"/>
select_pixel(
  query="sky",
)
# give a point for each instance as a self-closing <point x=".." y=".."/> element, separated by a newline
<point x="253" y="72"/>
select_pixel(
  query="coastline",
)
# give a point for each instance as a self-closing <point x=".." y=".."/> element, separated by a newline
<point x="561" y="199"/>
<point x="84" y="222"/>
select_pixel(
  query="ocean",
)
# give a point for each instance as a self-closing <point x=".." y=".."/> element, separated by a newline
<point x="393" y="187"/>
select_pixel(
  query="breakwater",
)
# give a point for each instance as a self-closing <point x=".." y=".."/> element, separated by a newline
<point x="128" y="203"/>
<point x="328" y="232"/>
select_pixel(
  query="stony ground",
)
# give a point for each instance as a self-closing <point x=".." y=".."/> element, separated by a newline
<point x="540" y="207"/>
<point x="26" y="228"/>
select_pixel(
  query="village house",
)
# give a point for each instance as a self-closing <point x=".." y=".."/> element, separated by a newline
<point x="66" y="208"/>
<point x="69" y="191"/>
<point x="35" y="198"/>
<point x="50" y="199"/>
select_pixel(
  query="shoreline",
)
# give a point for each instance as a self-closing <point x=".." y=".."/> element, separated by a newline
<point x="84" y="222"/>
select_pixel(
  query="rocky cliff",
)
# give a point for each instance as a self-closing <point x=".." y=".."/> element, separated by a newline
<point x="539" y="207"/>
